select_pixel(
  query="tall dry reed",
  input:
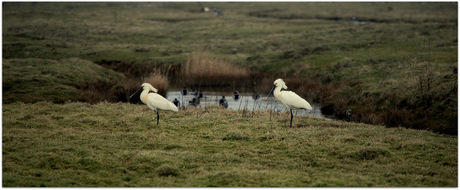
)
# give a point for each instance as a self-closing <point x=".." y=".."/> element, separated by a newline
<point x="158" y="81"/>
<point x="205" y="70"/>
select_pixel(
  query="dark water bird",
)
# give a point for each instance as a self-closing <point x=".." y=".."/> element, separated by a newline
<point x="236" y="95"/>
<point x="223" y="102"/>
<point x="176" y="102"/>
<point x="184" y="91"/>
<point x="217" y="13"/>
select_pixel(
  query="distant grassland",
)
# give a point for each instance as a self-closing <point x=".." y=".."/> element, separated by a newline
<point x="67" y="66"/>
<point x="392" y="64"/>
<point x="120" y="145"/>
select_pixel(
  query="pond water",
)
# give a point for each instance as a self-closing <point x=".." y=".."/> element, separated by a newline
<point x="245" y="101"/>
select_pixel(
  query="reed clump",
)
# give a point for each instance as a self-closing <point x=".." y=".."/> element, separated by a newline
<point x="158" y="81"/>
<point x="205" y="70"/>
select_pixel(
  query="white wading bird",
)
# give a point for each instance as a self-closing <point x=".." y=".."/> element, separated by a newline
<point x="288" y="98"/>
<point x="154" y="101"/>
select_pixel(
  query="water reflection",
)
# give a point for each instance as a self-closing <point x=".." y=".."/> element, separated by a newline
<point x="236" y="101"/>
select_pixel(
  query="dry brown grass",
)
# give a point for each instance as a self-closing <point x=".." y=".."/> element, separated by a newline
<point x="204" y="69"/>
<point x="158" y="81"/>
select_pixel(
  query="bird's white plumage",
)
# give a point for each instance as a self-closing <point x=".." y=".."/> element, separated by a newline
<point x="158" y="103"/>
<point x="155" y="101"/>
<point x="292" y="100"/>
<point x="288" y="98"/>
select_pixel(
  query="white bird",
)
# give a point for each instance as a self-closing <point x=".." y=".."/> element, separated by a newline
<point x="288" y="98"/>
<point x="154" y="101"/>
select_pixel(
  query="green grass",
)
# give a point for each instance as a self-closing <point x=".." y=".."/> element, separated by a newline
<point x="120" y="145"/>
<point x="31" y="80"/>
<point x="398" y="69"/>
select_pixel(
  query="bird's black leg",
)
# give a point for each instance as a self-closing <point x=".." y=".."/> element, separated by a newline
<point x="158" y="118"/>
<point x="291" y="119"/>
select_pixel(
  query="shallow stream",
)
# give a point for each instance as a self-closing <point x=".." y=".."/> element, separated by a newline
<point x="245" y="101"/>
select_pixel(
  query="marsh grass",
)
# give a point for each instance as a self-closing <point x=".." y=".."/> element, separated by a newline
<point x="158" y="81"/>
<point x="370" y="64"/>
<point x="120" y="145"/>
<point x="203" y="69"/>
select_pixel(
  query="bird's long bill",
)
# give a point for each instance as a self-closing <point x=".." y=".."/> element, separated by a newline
<point x="274" y="86"/>
<point x="132" y="95"/>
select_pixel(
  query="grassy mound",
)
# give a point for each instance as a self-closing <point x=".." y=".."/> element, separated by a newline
<point x="120" y="145"/>
<point x="32" y="80"/>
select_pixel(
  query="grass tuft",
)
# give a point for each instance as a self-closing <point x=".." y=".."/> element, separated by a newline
<point x="368" y="154"/>
<point x="235" y="137"/>
<point x="167" y="170"/>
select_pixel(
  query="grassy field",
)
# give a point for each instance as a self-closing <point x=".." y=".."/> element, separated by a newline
<point x="120" y="145"/>
<point x="392" y="64"/>
<point x="66" y="68"/>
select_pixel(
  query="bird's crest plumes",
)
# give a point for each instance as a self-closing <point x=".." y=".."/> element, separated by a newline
<point x="149" y="87"/>
<point x="280" y="82"/>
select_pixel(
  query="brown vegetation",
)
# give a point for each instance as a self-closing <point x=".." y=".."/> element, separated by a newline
<point x="430" y="104"/>
<point x="158" y="81"/>
<point x="203" y="69"/>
